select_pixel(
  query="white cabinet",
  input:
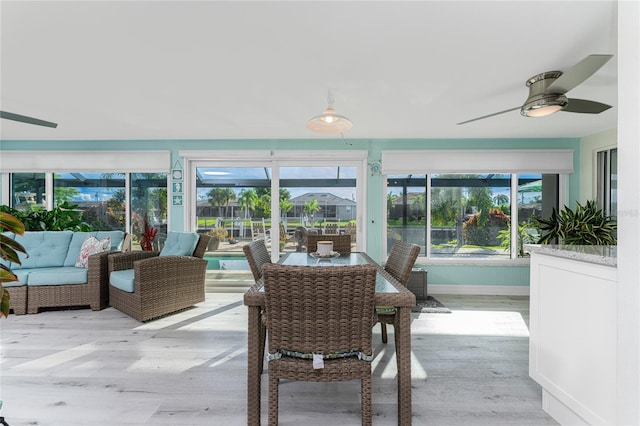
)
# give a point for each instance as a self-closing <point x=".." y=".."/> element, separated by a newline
<point x="573" y="338"/>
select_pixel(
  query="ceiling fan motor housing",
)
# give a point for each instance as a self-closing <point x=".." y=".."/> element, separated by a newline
<point x="538" y="100"/>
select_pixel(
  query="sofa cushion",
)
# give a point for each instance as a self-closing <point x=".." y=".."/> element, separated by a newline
<point x="44" y="249"/>
<point x="180" y="244"/>
<point x="117" y="237"/>
<point x="91" y="246"/>
<point x="57" y="276"/>
<point x="123" y="280"/>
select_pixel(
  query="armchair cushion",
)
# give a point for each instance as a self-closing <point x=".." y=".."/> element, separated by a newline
<point x="180" y="244"/>
<point x="123" y="280"/>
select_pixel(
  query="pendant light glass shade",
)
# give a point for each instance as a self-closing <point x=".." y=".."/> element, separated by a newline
<point x="329" y="121"/>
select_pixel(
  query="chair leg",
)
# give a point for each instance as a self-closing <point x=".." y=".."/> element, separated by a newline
<point x="365" y="391"/>
<point x="273" y="400"/>
<point x="383" y="328"/>
<point x="262" y="343"/>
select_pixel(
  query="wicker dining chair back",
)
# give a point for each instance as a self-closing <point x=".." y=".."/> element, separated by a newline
<point x="401" y="260"/>
<point x="341" y="243"/>
<point x="257" y="256"/>
<point x="320" y="310"/>
<point x="399" y="265"/>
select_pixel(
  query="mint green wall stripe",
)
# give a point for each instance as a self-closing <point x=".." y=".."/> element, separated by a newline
<point x="478" y="275"/>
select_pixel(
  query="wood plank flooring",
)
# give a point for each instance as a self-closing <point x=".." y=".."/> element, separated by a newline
<point x="79" y="367"/>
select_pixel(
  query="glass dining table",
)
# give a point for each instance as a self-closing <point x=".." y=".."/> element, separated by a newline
<point x="388" y="293"/>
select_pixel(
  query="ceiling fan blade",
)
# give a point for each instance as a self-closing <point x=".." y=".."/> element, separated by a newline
<point x="490" y="115"/>
<point x="578" y="73"/>
<point x="585" y="107"/>
<point x="25" y="119"/>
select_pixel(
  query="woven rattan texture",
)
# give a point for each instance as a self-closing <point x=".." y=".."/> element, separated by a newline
<point x="162" y="284"/>
<point x="341" y="243"/>
<point x="401" y="260"/>
<point x="257" y="256"/>
<point x="18" y="299"/>
<point x="319" y="310"/>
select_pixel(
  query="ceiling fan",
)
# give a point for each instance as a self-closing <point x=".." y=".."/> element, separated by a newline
<point x="547" y="91"/>
<point x="25" y="119"/>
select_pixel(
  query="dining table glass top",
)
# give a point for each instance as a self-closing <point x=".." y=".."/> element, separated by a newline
<point x="303" y="259"/>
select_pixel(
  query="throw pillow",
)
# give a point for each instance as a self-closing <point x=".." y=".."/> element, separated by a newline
<point x="91" y="245"/>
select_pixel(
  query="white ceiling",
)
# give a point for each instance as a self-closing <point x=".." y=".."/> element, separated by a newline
<point x="260" y="70"/>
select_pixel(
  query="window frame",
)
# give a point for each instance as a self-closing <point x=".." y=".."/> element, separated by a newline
<point x="275" y="160"/>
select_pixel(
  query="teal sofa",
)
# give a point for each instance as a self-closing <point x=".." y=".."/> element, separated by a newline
<point x="49" y="277"/>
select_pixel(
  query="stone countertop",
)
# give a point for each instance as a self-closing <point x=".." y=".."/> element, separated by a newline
<point x="601" y="255"/>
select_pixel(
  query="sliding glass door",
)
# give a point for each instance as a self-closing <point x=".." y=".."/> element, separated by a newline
<point x="279" y="201"/>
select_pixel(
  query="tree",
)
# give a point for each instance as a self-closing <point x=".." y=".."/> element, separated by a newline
<point x="500" y="200"/>
<point x="285" y="207"/>
<point x="391" y="201"/>
<point x="310" y="207"/>
<point x="248" y="199"/>
<point x="219" y="197"/>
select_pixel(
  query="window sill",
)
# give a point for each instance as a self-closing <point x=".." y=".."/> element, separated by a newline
<point x="521" y="261"/>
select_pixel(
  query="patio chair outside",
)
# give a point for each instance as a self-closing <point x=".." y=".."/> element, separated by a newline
<point x="399" y="264"/>
<point x="300" y="300"/>
<point x="341" y="243"/>
<point x="259" y="231"/>
<point x="330" y="228"/>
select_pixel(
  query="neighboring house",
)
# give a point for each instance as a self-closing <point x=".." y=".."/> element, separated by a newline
<point x="331" y="206"/>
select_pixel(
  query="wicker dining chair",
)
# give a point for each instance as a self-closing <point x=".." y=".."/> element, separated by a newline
<point x="341" y="243"/>
<point x="399" y="265"/>
<point x="257" y="255"/>
<point x="324" y="313"/>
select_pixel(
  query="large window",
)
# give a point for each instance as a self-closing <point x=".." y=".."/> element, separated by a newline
<point x="28" y="191"/>
<point x="99" y="196"/>
<point x="607" y="175"/>
<point x="467" y="215"/>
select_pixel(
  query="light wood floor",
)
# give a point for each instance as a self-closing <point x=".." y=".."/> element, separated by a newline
<point x="78" y="367"/>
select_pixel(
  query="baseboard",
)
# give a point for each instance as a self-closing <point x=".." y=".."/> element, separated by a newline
<point x="479" y="290"/>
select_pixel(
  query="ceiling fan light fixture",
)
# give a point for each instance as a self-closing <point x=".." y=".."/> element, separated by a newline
<point x="329" y="121"/>
<point x="543" y="105"/>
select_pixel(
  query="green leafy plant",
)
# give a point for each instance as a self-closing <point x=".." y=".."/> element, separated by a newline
<point x="9" y="249"/>
<point x="62" y="217"/>
<point x="586" y="225"/>
<point x="524" y="237"/>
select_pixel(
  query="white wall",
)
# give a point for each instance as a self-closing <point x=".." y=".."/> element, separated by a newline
<point x="589" y="146"/>
<point x="628" y="393"/>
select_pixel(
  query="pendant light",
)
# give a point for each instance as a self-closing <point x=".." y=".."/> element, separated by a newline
<point x="329" y="121"/>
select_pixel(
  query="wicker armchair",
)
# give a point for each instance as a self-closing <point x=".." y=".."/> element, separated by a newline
<point x="161" y="284"/>
<point x="399" y="264"/>
<point x="320" y="310"/>
<point x="257" y="255"/>
<point x="341" y="243"/>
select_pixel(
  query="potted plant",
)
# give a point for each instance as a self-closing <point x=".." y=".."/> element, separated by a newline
<point x="217" y="235"/>
<point x="586" y="225"/>
<point x="9" y="249"/>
